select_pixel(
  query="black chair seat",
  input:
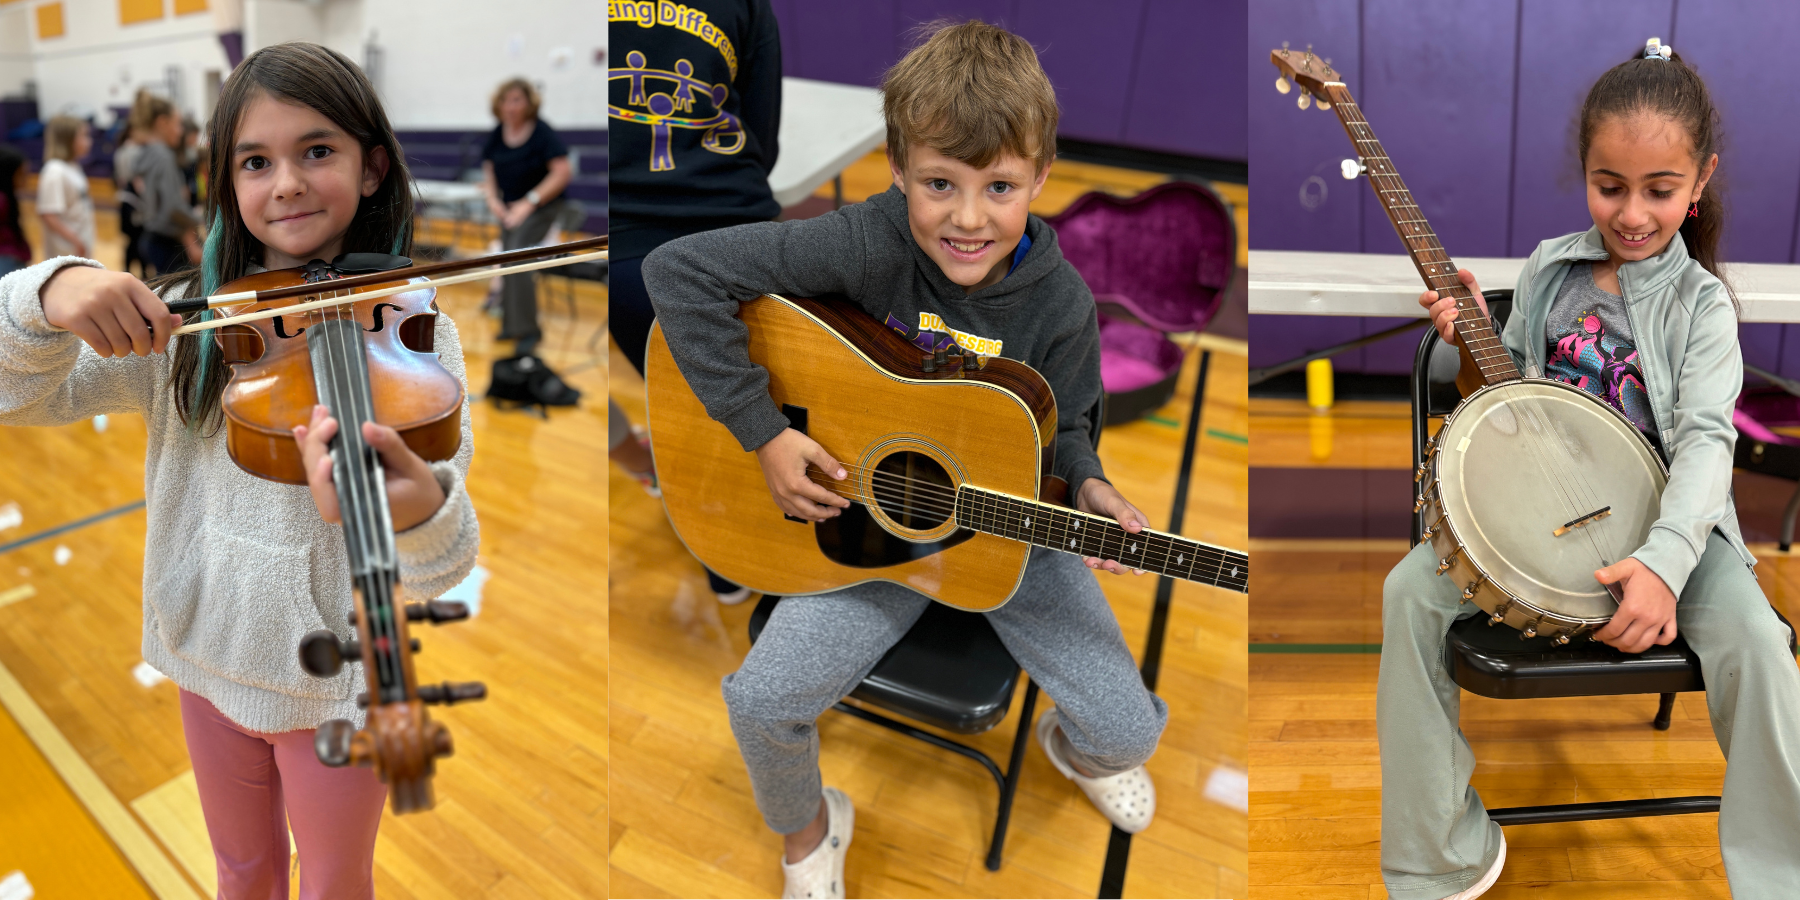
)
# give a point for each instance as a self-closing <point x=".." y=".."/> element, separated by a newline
<point x="951" y="670"/>
<point x="1492" y="661"/>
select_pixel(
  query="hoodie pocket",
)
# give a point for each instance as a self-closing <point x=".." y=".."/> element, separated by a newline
<point x="237" y="608"/>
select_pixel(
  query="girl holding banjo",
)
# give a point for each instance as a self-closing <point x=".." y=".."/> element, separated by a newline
<point x="1635" y="311"/>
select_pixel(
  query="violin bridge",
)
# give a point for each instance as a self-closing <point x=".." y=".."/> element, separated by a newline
<point x="1579" y="521"/>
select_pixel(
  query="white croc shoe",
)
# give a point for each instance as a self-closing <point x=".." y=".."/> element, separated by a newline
<point x="1487" y="879"/>
<point x="821" y="874"/>
<point x="1127" y="799"/>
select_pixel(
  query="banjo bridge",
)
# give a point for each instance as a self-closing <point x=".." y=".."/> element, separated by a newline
<point x="1579" y="521"/>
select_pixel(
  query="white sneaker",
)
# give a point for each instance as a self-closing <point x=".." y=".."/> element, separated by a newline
<point x="821" y="873"/>
<point x="1127" y="799"/>
<point x="735" y="597"/>
<point x="1487" y="880"/>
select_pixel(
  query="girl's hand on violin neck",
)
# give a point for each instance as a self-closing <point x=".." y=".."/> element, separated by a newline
<point x="1103" y="499"/>
<point x="112" y="311"/>
<point x="414" y="494"/>
<point x="1443" y="310"/>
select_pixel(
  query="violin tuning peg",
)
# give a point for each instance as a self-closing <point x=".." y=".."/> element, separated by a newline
<point x="452" y="692"/>
<point x="1282" y="86"/>
<point x="1305" y="100"/>
<point x="441" y="744"/>
<point x="322" y="655"/>
<point x="437" y="612"/>
<point x="331" y="742"/>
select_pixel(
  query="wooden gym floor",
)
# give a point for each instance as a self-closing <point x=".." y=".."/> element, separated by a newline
<point x="100" y="802"/>
<point x="684" y="822"/>
<point x="1315" y="775"/>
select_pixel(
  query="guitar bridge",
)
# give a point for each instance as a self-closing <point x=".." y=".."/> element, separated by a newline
<point x="1579" y="521"/>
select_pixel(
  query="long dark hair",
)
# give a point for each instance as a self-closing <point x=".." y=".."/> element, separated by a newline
<point x="325" y="81"/>
<point x="1670" y="88"/>
<point x="11" y="161"/>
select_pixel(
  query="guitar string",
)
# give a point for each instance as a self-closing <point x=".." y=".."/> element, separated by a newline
<point x="939" y="510"/>
<point x="1202" y="552"/>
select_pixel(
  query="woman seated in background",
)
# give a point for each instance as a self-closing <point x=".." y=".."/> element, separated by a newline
<point x="14" y="252"/>
<point x="63" y="203"/>
<point x="525" y="168"/>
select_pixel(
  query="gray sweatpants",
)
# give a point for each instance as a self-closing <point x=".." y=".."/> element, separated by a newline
<point x="1436" y="837"/>
<point x="518" y="293"/>
<point x="815" y="650"/>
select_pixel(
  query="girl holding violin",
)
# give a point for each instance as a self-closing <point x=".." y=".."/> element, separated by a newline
<point x="305" y="166"/>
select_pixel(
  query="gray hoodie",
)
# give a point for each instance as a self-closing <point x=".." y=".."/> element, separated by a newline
<point x="1686" y="336"/>
<point x="1042" y="314"/>
<point x="236" y="569"/>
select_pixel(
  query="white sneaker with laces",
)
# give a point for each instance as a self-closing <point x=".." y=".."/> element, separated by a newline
<point x="821" y="874"/>
<point x="1487" y="880"/>
<point x="1127" y="799"/>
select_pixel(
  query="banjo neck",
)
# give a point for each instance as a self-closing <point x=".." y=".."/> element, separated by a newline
<point x="1435" y="266"/>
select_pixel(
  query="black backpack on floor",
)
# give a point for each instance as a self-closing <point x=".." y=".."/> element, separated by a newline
<point x="525" y="379"/>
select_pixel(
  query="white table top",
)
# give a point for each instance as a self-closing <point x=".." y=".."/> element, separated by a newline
<point x="446" y="191"/>
<point x="1299" y="283"/>
<point x="824" y="127"/>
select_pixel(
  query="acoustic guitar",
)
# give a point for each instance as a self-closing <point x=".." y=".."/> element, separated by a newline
<point x="946" y="458"/>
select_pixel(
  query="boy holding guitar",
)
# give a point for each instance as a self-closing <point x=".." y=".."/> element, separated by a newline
<point x="951" y="248"/>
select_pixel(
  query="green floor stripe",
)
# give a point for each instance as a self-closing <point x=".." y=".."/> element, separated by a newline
<point x="1228" y="436"/>
<point x="1171" y="423"/>
<point x="1315" y="648"/>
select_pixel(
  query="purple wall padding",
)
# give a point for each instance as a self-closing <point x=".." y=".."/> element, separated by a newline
<point x="1477" y="105"/>
<point x="1154" y="74"/>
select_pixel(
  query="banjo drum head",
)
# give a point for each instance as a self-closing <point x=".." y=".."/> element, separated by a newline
<point x="1521" y="459"/>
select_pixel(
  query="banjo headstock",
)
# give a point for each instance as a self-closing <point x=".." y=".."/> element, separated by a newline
<point x="1307" y="70"/>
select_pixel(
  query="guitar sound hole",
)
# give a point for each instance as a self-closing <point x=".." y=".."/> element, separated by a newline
<point x="913" y="490"/>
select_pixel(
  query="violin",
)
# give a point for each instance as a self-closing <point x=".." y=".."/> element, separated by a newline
<point x="356" y="336"/>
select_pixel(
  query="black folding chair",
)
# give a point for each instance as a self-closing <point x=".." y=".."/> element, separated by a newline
<point x="952" y="672"/>
<point x="1493" y="661"/>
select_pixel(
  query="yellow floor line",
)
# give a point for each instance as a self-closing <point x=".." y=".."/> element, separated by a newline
<point x="163" y="878"/>
<point x="173" y="812"/>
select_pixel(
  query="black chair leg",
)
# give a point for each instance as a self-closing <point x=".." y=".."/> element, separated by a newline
<point x="1664" y="710"/>
<point x="1011" y="784"/>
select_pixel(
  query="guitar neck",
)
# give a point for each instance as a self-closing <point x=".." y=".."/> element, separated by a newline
<point x="1072" y="531"/>
<point x="1428" y="256"/>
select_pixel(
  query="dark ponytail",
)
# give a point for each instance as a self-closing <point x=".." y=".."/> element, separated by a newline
<point x="1668" y="87"/>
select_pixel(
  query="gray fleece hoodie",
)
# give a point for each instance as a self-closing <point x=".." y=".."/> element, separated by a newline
<point x="236" y="569"/>
<point x="1042" y="314"/>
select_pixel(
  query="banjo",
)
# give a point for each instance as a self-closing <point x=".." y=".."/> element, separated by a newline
<point x="1531" y="484"/>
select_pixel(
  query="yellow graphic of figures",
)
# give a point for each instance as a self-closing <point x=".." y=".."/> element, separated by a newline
<point x="724" y="133"/>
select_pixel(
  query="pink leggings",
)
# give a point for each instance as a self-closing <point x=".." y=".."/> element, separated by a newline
<point x="253" y="786"/>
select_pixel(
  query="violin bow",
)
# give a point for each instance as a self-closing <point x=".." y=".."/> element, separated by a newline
<point x="595" y="247"/>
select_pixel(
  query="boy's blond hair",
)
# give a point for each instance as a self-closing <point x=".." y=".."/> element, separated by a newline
<point x="59" y="137"/>
<point x="972" y="92"/>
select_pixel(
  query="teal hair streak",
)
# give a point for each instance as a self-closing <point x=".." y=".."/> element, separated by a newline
<point x="209" y="285"/>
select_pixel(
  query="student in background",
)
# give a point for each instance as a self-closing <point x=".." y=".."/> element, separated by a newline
<point x="14" y="252"/>
<point x="125" y="157"/>
<point x="168" y="243"/>
<point x="525" y="168"/>
<point x="63" y="203"/>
